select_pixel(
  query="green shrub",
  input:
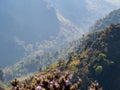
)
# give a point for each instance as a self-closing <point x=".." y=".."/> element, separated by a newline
<point x="98" y="69"/>
<point x="102" y="56"/>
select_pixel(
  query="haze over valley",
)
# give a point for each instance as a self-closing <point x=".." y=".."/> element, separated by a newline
<point x="60" y="37"/>
<point x="27" y="25"/>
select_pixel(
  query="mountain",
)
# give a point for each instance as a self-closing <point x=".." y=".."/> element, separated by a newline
<point x="38" y="60"/>
<point x="49" y="32"/>
<point x="24" y="22"/>
<point x="100" y="57"/>
<point x="98" y="60"/>
<point x="33" y="33"/>
<point x="111" y="18"/>
<point x="40" y="55"/>
<point x="29" y="25"/>
<point x="83" y="13"/>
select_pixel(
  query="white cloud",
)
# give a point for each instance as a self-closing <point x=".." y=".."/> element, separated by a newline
<point x="114" y="2"/>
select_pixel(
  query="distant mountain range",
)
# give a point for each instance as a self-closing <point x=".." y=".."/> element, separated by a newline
<point x="24" y="22"/>
<point x="29" y="25"/>
<point x="83" y="13"/>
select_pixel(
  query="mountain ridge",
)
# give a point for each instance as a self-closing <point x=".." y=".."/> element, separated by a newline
<point x="27" y="33"/>
<point x="100" y="56"/>
<point x="111" y="18"/>
<point x="21" y="19"/>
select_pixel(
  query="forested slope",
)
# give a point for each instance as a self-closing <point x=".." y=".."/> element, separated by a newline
<point x="97" y="58"/>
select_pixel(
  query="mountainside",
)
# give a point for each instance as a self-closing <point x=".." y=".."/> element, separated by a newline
<point x="102" y="56"/>
<point x="29" y="26"/>
<point x="98" y="60"/>
<point x="112" y="18"/>
<point x="50" y="51"/>
<point x="84" y="13"/>
<point x="24" y="22"/>
<point x="36" y="34"/>
<point x="38" y="60"/>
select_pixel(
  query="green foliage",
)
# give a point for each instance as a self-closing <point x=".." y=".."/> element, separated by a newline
<point x="102" y="56"/>
<point x="98" y="70"/>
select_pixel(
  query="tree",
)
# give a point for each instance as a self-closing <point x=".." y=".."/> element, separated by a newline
<point x="98" y="69"/>
<point x="102" y="56"/>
